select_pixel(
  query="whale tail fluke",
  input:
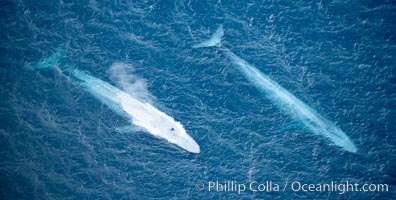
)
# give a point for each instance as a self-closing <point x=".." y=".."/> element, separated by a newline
<point x="51" y="61"/>
<point x="215" y="40"/>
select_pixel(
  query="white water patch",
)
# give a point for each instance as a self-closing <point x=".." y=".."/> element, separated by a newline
<point x="122" y="74"/>
<point x="135" y="100"/>
<point x="140" y="113"/>
<point x="156" y="122"/>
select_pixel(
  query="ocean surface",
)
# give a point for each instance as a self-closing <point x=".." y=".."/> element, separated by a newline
<point x="59" y="142"/>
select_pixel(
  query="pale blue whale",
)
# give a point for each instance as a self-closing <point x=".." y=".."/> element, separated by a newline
<point x="140" y="114"/>
<point x="283" y="98"/>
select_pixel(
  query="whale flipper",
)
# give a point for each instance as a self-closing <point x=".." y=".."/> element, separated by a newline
<point x="128" y="129"/>
<point x="215" y="40"/>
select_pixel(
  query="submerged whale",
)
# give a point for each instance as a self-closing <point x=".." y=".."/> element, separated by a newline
<point x="140" y="114"/>
<point x="281" y="97"/>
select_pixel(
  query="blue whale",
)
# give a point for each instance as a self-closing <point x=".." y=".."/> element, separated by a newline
<point x="281" y="97"/>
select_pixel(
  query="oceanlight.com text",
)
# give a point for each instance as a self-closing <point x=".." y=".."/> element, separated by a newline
<point x="293" y="186"/>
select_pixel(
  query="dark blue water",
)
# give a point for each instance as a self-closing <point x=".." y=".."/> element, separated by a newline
<point x="58" y="142"/>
